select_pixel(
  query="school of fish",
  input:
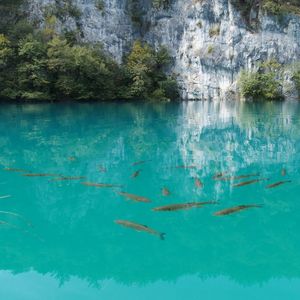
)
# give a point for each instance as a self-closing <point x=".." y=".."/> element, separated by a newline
<point x="221" y="176"/>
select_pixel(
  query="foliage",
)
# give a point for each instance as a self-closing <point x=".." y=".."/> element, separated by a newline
<point x="214" y="30"/>
<point x="210" y="49"/>
<point x="296" y="78"/>
<point x="264" y="84"/>
<point x="146" y="70"/>
<point x="161" y="4"/>
<point x="280" y="7"/>
<point x="100" y="4"/>
<point x="45" y="65"/>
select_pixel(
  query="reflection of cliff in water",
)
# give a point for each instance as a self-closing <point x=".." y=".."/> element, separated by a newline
<point x="230" y="136"/>
<point x="79" y="237"/>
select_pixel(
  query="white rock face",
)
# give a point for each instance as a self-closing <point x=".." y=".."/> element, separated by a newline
<point x="208" y="40"/>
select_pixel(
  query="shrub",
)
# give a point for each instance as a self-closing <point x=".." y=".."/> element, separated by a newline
<point x="296" y="78"/>
<point x="260" y="86"/>
<point x="214" y="30"/>
<point x="210" y="49"/>
<point x="161" y="4"/>
<point x="100" y="4"/>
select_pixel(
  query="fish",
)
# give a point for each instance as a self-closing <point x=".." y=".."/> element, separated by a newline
<point x="4" y="197"/>
<point x="198" y="183"/>
<point x="235" y="209"/>
<point x="16" y="215"/>
<point x="68" y="178"/>
<point x="165" y="191"/>
<point x="277" y="184"/>
<point x="72" y="158"/>
<point x="219" y="175"/>
<point x="15" y="170"/>
<point x="283" y="172"/>
<point x="249" y="182"/>
<point x="182" y="206"/>
<point x="140" y="227"/>
<point x="136" y="174"/>
<point x="238" y="177"/>
<point x="134" y="197"/>
<point x="186" y="167"/>
<point x="140" y="162"/>
<point x="38" y="175"/>
<point x="102" y="185"/>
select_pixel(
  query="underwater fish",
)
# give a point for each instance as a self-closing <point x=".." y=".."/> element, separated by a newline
<point x="219" y="175"/>
<point x="249" y="182"/>
<point x="136" y="174"/>
<point x="140" y="162"/>
<point x="238" y="177"/>
<point x="101" y="185"/>
<point x="72" y="158"/>
<point x="277" y="184"/>
<point x="17" y="216"/>
<point x="15" y="170"/>
<point x="38" y="175"/>
<point x="68" y="178"/>
<point x="140" y="227"/>
<point x="4" y="197"/>
<point x="283" y="172"/>
<point x="134" y="197"/>
<point x="165" y="191"/>
<point x="235" y="209"/>
<point x="182" y="206"/>
<point x="198" y="183"/>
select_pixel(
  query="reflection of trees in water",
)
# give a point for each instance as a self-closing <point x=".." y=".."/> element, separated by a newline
<point x="80" y="237"/>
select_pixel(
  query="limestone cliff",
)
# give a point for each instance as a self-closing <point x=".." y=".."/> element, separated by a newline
<point x="209" y="40"/>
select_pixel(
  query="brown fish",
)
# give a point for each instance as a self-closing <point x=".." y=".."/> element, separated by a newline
<point x="38" y="175"/>
<point x="68" y="178"/>
<point x="140" y="227"/>
<point x="72" y="158"/>
<point x="270" y="186"/>
<point x="136" y="174"/>
<point x="198" y="183"/>
<point x="101" y="185"/>
<point x="140" y="162"/>
<point x="15" y="170"/>
<point x="134" y="197"/>
<point x="238" y="177"/>
<point x="283" y="172"/>
<point x="235" y="209"/>
<point x="249" y="182"/>
<point x="219" y="175"/>
<point x="165" y="191"/>
<point x="183" y="206"/>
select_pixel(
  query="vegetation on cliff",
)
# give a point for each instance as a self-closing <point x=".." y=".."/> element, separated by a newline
<point x="263" y="84"/>
<point x="40" y="64"/>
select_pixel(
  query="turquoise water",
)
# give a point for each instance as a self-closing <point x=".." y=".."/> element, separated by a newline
<point x="75" y="250"/>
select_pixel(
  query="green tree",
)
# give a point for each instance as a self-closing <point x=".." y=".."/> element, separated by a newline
<point x="32" y="72"/>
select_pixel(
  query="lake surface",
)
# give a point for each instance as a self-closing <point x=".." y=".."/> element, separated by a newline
<point x="75" y="250"/>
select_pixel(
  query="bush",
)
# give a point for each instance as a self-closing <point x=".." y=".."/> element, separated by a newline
<point x="260" y="86"/>
<point x="161" y="4"/>
<point x="100" y="5"/>
<point x="214" y="30"/>
<point x="297" y="81"/>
